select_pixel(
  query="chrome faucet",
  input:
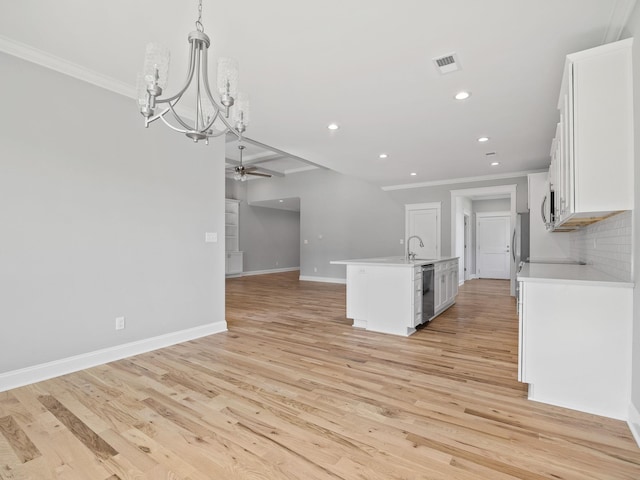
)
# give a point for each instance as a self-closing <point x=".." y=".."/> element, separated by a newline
<point x="411" y="255"/>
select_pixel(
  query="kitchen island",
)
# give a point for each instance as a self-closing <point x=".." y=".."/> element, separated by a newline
<point x="392" y="295"/>
<point x="575" y="330"/>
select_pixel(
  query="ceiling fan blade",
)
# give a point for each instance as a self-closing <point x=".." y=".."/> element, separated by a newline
<point x="258" y="174"/>
<point x="250" y="169"/>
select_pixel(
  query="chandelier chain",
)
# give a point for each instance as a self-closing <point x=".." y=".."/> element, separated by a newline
<point x="199" y="21"/>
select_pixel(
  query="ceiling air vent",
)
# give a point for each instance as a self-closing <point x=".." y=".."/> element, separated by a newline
<point x="447" y="63"/>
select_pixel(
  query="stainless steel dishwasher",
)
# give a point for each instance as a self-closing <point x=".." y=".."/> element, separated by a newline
<point x="428" y="296"/>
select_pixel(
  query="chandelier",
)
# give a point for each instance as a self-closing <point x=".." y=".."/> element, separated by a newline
<point x="209" y="118"/>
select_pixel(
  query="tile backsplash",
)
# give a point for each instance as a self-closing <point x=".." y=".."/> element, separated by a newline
<point x="606" y="245"/>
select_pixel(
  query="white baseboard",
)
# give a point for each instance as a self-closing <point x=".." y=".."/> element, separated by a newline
<point x="273" y="270"/>
<point x="45" y="371"/>
<point x="309" y="278"/>
<point x="634" y="422"/>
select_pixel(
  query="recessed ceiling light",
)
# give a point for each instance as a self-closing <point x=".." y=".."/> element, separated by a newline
<point x="495" y="164"/>
<point x="483" y="139"/>
<point x="281" y="201"/>
<point x="413" y="174"/>
<point x="333" y="126"/>
<point x="383" y="155"/>
<point x="462" y="95"/>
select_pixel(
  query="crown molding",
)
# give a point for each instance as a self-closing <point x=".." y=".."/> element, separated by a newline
<point x="453" y="181"/>
<point x="39" y="57"/>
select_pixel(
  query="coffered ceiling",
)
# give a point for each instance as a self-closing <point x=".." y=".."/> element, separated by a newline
<point x="366" y="65"/>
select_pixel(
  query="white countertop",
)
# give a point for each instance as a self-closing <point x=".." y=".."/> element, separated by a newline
<point x="392" y="261"/>
<point x="566" y="273"/>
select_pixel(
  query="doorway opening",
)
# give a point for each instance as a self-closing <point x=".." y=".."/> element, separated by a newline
<point x="462" y="204"/>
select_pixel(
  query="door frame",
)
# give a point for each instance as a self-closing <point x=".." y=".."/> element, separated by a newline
<point x="481" y="191"/>
<point x="409" y="207"/>
<point x="467" y="246"/>
<point x="481" y="215"/>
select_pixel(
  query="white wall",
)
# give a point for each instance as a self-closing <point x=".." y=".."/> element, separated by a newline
<point x="99" y="218"/>
<point x="633" y="28"/>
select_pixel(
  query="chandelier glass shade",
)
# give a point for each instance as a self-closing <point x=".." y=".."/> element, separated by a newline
<point x="209" y="116"/>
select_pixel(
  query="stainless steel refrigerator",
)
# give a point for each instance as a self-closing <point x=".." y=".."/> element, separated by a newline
<point x="520" y="241"/>
<point x="519" y="247"/>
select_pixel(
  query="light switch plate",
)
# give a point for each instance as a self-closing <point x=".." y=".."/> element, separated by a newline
<point x="211" y="237"/>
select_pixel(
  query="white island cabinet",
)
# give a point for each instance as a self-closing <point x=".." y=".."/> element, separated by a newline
<point x="575" y="338"/>
<point x="386" y="294"/>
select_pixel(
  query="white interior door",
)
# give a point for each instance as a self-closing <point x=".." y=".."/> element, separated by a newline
<point x="424" y="220"/>
<point x="492" y="246"/>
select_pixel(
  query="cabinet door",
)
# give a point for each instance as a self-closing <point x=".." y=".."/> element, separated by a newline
<point x="441" y="290"/>
<point x="602" y="90"/>
<point x="453" y="285"/>
<point x="566" y="164"/>
<point x="233" y="263"/>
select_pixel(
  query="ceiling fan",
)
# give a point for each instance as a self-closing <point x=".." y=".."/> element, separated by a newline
<point x="241" y="171"/>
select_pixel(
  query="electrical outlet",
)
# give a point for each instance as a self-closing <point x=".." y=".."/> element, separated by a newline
<point x="402" y="241"/>
<point x="315" y="269"/>
<point x="211" y="237"/>
<point x="119" y="323"/>
<point x="277" y="263"/>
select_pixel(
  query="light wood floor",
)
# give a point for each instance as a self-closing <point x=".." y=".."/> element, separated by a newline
<point x="292" y="391"/>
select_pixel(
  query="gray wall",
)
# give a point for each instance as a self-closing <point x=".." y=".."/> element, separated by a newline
<point x="340" y="217"/>
<point x="497" y="205"/>
<point x="356" y="219"/>
<point x="633" y="28"/>
<point x="100" y="218"/>
<point x="269" y="238"/>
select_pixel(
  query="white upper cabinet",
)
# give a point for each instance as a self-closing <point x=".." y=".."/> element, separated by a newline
<point x="592" y="154"/>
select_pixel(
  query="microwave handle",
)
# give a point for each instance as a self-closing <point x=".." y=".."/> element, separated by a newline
<point x="542" y="205"/>
<point x="513" y="245"/>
